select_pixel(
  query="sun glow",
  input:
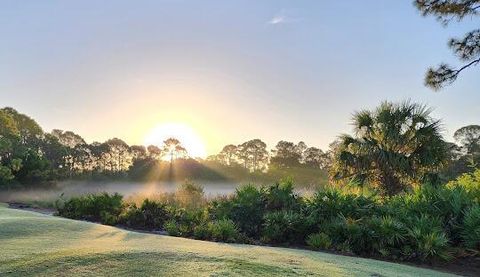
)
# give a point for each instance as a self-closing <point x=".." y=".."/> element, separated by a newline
<point x="185" y="134"/>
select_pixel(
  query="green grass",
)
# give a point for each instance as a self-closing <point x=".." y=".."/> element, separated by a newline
<point x="41" y="245"/>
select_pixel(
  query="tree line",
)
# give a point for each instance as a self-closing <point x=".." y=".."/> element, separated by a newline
<point x="254" y="156"/>
<point x="28" y="155"/>
<point x="392" y="147"/>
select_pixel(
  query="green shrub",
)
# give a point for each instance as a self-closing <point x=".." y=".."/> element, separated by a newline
<point x="447" y="204"/>
<point x="281" y="196"/>
<point x="223" y="230"/>
<point x="347" y="231"/>
<point x="149" y="216"/>
<point x="284" y="226"/>
<point x="427" y="240"/>
<point x="202" y="232"/>
<point x="329" y="204"/>
<point x="319" y="241"/>
<point x="424" y="224"/>
<point x="245" y="208"/>
<point x="470" y="182"/>
<point x="104" y="208"/>
<point x="172" y="228"/>
<point x="108" y="218"/>
<point x="388" y="235"/>
<point x="471" y="228"/>
<point x="186" y="219"/>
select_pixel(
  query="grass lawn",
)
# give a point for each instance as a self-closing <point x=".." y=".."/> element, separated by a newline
<point x="42" y="245"/>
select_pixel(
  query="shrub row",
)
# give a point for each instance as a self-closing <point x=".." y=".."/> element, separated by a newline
<point x="428" y="223"/>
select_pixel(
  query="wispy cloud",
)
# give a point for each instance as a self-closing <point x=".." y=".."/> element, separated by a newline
<point x="282" y="18"/>
<point x="278" y="19"/>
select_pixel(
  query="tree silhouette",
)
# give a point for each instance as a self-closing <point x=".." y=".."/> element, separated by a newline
<point x="467" y="49"/>
<point x="316" y="158"/>
<point x="174" y="149"/>
<point x="254" y="154"/>
<point x="286" y="154"/>
<point x="67" y="138"/>
<point x="118" y="152"/>
<point x="228" y="154"/>
<point x="154" y="152"/>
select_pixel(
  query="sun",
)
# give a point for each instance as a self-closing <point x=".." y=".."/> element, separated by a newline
<point x="184" y="133"/>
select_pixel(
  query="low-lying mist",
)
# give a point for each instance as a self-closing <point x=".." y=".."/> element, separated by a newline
<point x="127" y="189"/>
<point x="67" y="189"/>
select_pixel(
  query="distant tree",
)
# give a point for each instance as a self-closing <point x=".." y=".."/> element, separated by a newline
<point x="99" y="152"/>
<point x="393" y="146"/>
<point x="154" y="152"/>
<point x="82" y="158"/>
<point x="30" y="132"/>
<point x="9" y="136"/>
<point x="300" y="149"/>
<point x="119" y="154"/>
<point x="54" y="151"/>
<point x="228" y="154"/>
<point x="253" y="154"/>
<point x="8" y="126"/>
<point x="286" y="154"/>
<point x="467" y="49"/>
<point x="22" y="157"/>
<point x="68" y="138"/>
<point x="138" y="151"/>
<point x="174" y="149"/>
<point x="316" y="158"/>
<point x="469" y="139"/>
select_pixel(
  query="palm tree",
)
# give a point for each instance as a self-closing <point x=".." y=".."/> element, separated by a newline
<point x="393" y="147"/>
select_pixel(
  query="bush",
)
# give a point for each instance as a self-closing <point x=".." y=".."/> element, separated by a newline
<point x="349" y="233"/>
<point x="281" y="196"/>
<point x="202" y="232"/>
<point x="426" y="239"/>
<point x="446" y="204"/>
<point x="190" y="195"/>
<point x="104" y="208"/>
<point x="319" y="241"/>
<point x="284" y="226"/>
<point x="471" y="228"/>
<point x="470" y="182"/>
<point x="329" y="204"/>
<point x="388" y="235"/>
<point x="150" y="215"/>
<point x="245" y="208"/>
<point x="172" y="228"/>
<point x="223" y="230"/>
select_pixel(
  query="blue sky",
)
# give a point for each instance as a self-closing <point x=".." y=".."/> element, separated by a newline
<point x="233" y="70"/>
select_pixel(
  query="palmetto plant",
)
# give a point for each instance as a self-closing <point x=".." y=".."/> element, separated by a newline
<point x="393" y="146"/>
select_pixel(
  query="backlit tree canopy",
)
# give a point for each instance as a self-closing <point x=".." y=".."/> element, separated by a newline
<point x="393" y="146"/>
<point x="173" y="148"/>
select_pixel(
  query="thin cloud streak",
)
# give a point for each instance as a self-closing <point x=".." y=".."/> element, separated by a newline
<point x="282" y="18"/>
<point x="278" y="19"/>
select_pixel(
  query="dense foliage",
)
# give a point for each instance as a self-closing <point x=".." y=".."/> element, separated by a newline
<point x="431" y="222"/>
<point x="393" y="147"/>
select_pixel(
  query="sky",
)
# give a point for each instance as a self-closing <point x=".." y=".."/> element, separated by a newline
<point x="231" y="70"/>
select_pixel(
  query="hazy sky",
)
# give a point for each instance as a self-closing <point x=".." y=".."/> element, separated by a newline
<point x="233" y="70"/>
